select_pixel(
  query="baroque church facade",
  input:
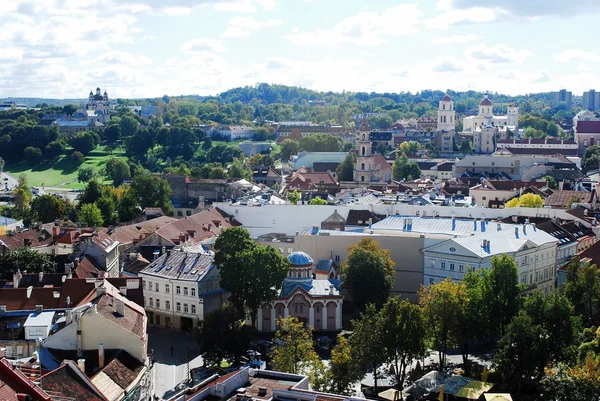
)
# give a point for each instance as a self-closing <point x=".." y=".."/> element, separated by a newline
<point x="97" y="108"/>
<point x="369" y="168"/>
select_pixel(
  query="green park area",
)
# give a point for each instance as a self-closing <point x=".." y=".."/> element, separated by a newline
<point x="61" y="172"/>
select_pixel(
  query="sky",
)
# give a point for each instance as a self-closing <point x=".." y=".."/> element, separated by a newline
<point x="149" y="48"/>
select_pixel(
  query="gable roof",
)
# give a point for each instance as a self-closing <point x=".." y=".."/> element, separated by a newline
<point x="69" y="381"/>
<point x="13" y="382"/>
<point x="335" y="218"/>
<point x="561" y="199"/>
<point x="181" y="265"/>
<point x="28" y="238"/>
<point x="383" y="164"/>
<point x="197" y="227"/>
<point x="126" y="234"/>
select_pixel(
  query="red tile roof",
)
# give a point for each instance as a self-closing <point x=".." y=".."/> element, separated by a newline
<point x="197" y="227"/>
<point x="123" y="369"/>
<point x="71" y="294"/>
<point x="561" y="199"/>
<point x="71" y="384"/>
<point x="588" y="127"/>
<point x="14" y="383"/>
<point x="380" y="160"/>
<point x="29" y="238"/>
<point x="86" y="268"/>
<point x="126" y="234"/>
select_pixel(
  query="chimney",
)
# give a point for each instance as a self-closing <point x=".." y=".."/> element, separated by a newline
<point x="162" y="250"/>
<point x="69" y="268"/>
<point x="120" y="309"/>
<point x="499" y="227"/>
<point x="168" y="252"/>
<point x="2" y="352"/>
<point x="69" y="316"/>
<point x="41" y="279"/>
<point x="29" y="290"/>
<point x="100" y="355"/>
<point x="2" y="309"/>
<point x="81" y="365"/>
<point x="483" y="243"/>
<point x="330" y="289"/>
<point x="16" y="280"/>
<point x="64" y="278"/>
<point x="100" y="290"/>
<point x="39" y="308"/>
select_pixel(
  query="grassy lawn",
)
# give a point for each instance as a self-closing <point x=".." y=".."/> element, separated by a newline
<point x="60" y="172"/>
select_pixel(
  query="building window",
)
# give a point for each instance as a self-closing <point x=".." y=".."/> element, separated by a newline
<point x="151" y="303"/>
<point x="167" y="288"/>
<point x="452" y="266"/>
<point x="193" y="309"/>
<point x="178" y="306"/>
<point x="432" y="262"/>
<point x="443" y="265"/>
<point x="431" y="281"/>
<point x="461" y="268"/>
<point x="337" y="258"/>
<point x="167" y="305"/>
<point x="150" y="285"/>
<point x="144" y="284"/>
<point x="193" y="292"/>
<point x="185" y="291"/>
<point x="178" y="290"/>
<point x="318" y="309"/>
<point x="156" y="287"/>
<point x="179" y="213"/>
<point x="157" y="303"/>
<point x="185" y="308"/>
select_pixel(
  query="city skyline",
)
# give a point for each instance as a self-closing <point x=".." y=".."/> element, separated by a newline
<point x="64" y="48"/>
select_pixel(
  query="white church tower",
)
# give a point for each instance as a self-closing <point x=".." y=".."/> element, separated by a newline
<point x="363" y="169"/>
<point x="446" y="120"/>
<point x="512" y="116"/>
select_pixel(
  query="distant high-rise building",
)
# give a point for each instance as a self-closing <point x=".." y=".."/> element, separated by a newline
<point x="591" y="100"/>
<point x="562" y="96"/>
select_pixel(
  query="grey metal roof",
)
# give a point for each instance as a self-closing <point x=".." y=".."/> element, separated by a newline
<point x="181" y="265"/>
<point x="438" y="225"/>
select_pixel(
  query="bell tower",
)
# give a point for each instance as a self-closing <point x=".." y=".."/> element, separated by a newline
<point x="363" y="169"/>
<point x="446" y="120"/>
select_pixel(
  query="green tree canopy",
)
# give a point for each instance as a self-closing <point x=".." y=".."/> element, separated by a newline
<point x="152" y="191"/>
<point x="25" y="259"/>
<point x="84" y="174"/>
<point x="345" y="170"/>
<point x="318" y="201"/>
<point x="368" y="273"/>
<point x="294" y="351"/>
<point x="118" y="170"/>
<point x="84" y="141"/>
<point x="47" y="208"/>
<point x="90" y="215"/>
<point x="293" y="197"/>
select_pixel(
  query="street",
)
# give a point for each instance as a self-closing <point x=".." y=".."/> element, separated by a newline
<point x="170" y="370"/>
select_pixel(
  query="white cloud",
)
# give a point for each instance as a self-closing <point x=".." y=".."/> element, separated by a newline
<point x="446" y="64"/>
<point x="573" y="54"/>
<point x="365" y="28"/>
<point x="455" y="39"/>
<point x="454" y="17"/>
<point x="203" y="45"/>
<point x="497" y="54"/>
<point x="244" y="6"/>
<point x="243" y="26"/>
<point x="121" y="58"/>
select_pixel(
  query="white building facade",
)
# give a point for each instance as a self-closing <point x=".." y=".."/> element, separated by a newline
<point x="180" y="288"/>
<point x="446" y="116"/>
<point x="534" y="251"/>
<point x="486" y="117"/>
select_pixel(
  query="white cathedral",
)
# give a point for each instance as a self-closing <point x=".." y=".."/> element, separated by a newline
<point x="486" y="117"/>
<point x="98" y="107"/>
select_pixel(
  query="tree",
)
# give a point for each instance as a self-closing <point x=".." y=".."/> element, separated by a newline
<point x="533" y="133"/>
<point x="206" y="143"/>
<point x="344" y="371"/>
<point x="381" y="148"/>
<point x="84" y="174"/>
<point x="47" y="208"/>
<point x="289" y="147"/>
<point x="522" y="352"/>
<point x="239" y="170"/>
<point x="1" y="164"/>
<point x="527" y="200"/>
<point x="466" y="147"/>
<point x="112" y="133"/>
<point x="552" y="129"/>
<point x="260" y="160"/>
<point x="106" y="204"/>
<point x="405" y="170"/>
<point x="152" y="191"/>
<point x="554" y="313"/>
<point x="77" y="158"/>
<point x="261" y="134"/>
<point x="345" y="170"/>
<point x="469" y="316"/>
<point x="441" y="303"/>
<point x="118" y="170"/>
<point x="222" y="334"/>
<point x="368" y="351"/>
<point x="129" y="126"/>
<point x="22" y="197"/>
<point x="238" y="257"/>
<point x="567" y="383"/>
<point x="293" y="197"/>
<point x="501" y="294"/>
<point x="32" y="155"/>
<point x="552" y="184"/>
<point x="294" y="351"/>
<point x="84" y="141"/>
<point x="54" y="149"/>
<point x="25" y="259"/>
<point x="128" y="208"/>
<point x="368" y="273"/>
<point x="403" y="328"/>
<point x="583" y="290"/>
<point x="218" y="173"/>
<point x="318" y="201"/>
<point x="90" y="215"/>
<point x="69" y="109"/>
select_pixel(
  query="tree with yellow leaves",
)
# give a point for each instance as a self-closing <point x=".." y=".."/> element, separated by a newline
<point x="527" y="200"/>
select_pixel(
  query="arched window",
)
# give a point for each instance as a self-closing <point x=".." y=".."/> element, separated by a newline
<point x="443" y="107"/>
<point x="444" y="118"/>
<point x="363" y="137"/>
<point x="362" y="166"/>
<point x="362" y="178"/>
<point x="363" y="150"/>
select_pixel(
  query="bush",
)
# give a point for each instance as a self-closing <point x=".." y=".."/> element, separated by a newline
<point x="77" y="158"/>
<point x="32" y="155"/>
